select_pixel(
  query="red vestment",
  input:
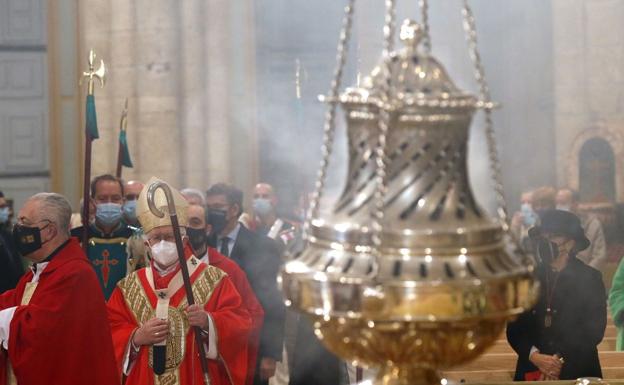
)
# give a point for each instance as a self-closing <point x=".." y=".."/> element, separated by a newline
<point x="62" y="335"/>
<point x="133" y="302"/>
<point x="239" y="278"/>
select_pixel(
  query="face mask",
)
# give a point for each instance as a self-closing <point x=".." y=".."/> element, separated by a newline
<point x="529" y="217"/>
<point x="27" y="239"/>
<point x="563" y="207"/>
<point x="546" y="250"/>
<point x="211" y="240"/>
<point x="4" y="215"/>
<point x="129" y="210"/>
<point x="217" y="219"/>
<point x="262" y="206"/>
<point x="165" y="253"/>
<point x="197" y="237"/>
<point x="108" y="214"/>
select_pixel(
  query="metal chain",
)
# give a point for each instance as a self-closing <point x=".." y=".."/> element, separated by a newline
<point x="485" y="96"/>
<point x="384" y="123"/>
<point x="329" y="126"/>
<point x="424" y="20"/>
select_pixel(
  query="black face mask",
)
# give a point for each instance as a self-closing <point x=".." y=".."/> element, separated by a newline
<point x="546" y="251"/>
<point x="197" y="237"/>
<point x="217" y="219"/>
<point x="27" y="239"/>
<point x="211" y="241"/>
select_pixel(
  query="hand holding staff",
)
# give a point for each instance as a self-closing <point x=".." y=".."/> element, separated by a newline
<point x="151" y="192"/>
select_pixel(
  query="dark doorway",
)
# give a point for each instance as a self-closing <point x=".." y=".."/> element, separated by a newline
<point x="597" y="172"/>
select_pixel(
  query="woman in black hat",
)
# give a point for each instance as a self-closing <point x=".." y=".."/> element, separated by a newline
<point x="558" y="338"/>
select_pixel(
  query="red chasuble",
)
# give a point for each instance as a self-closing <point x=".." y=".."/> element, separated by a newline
<point x="239" y="278"/>
<point x="62" y="335"/>
<point x="133" y="303"/>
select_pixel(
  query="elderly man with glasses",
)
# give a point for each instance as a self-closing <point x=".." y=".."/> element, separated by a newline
<point x="53" y="325"/>
<point x="151" y="320"/>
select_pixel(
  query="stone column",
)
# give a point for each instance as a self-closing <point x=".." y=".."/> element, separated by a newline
<point x="589" y="81"/>
<point x="177" y="62"/>
<point x="65" y="105"/>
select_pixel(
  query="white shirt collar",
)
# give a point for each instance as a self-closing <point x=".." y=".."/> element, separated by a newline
<point x="164" y="271"/>
<point x="37" y="269"/>
<point x="205" y="259"/>
<point x="234" y="233"/>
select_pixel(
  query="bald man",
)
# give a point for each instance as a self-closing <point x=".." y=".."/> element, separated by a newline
<point x="265" y="216"/>
<point x="132" y="189"/>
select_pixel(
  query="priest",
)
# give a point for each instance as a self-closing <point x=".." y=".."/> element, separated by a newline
<point x="53" y="325"/>
<point x="148" y="310"/>
<point x="198" y="232"/>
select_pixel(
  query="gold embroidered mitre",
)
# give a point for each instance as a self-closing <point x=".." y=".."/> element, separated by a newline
<point x="148" y="220"/>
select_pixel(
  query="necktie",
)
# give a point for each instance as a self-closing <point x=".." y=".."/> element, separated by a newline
<point x="225" y="250"/>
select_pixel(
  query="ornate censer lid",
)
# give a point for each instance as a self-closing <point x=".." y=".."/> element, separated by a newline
<point x="416" y="78"/>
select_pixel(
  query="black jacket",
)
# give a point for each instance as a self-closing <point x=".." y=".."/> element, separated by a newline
<point x="259" y="258"/>
<point x="10" y="263"/>
<point x="579" y="318"/>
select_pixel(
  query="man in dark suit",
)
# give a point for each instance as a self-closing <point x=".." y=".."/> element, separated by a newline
<point x="259" y="257"/>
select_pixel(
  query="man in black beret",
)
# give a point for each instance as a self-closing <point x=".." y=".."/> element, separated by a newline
<point x="558" y="338"/>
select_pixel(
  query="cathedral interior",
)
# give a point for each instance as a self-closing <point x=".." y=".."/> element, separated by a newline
<point x="229" y="91"/>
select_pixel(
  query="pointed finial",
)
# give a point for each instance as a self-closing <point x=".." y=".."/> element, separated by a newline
<point x="411" y="33"/>
<point x="124" y="117"/>
<point x="93" y="74"/>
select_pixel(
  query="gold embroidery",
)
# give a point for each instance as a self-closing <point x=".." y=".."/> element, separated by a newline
<point x="136" y="299"/>
<point x="138" y="303"/>
<point x="176" y="341"/>
<point x="29" y="290"/>
<point x="170" y="377"/>
<point x="204" y="285"/>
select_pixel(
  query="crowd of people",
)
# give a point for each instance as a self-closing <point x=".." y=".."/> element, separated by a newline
<point x="115" y="310"/>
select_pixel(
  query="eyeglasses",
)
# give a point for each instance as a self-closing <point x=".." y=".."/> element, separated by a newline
<point x="160" y="237"/>
<point x="23" y="221"/>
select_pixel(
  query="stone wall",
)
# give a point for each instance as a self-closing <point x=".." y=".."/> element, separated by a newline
<point x="182" y="69"/>
<point x="589" y="81"/>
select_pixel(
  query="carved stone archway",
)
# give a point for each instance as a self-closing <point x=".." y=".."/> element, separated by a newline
<point x="614" y="139"/>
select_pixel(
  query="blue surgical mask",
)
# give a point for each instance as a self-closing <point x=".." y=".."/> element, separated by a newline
<point x="528" y="215"/>
<point x="108" y="214"/>
<point x="262" y="206"/>
<point x="4" y="215"/>
<point x="129" y="210"/>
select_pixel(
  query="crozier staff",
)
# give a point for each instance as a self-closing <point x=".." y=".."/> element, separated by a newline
<point x="150" y="308"/>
